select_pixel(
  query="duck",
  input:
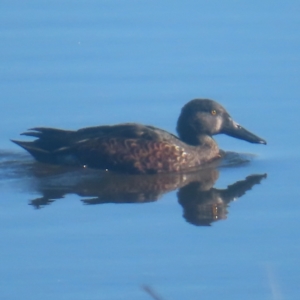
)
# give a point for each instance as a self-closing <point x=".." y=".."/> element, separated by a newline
<point x="141" y="149"/>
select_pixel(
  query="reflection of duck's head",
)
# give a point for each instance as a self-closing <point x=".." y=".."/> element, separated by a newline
<point x="203" y="205"/>
<point x="202" y="118"/>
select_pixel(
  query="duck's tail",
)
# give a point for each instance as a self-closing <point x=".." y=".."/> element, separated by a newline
<point x="49" y="146"/>
<point x="37" y="152"/>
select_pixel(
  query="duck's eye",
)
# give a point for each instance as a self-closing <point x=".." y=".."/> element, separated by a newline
<point x="213" y="112"/>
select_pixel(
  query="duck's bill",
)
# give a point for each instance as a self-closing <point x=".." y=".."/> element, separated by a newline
<point x="235" y="130"/>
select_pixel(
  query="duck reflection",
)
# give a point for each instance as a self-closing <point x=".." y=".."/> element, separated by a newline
<point x="202" y="203"/>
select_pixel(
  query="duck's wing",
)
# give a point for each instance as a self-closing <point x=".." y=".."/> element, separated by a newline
<point x="64" y="146"/>
<point x="51" y="139"/>
<point x="125" y="131"/>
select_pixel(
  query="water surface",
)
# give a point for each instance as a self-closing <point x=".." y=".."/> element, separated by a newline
<point x="77" y="64"/>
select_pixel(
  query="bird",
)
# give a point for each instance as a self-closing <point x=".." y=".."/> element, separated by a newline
<point x="141" y="149"/>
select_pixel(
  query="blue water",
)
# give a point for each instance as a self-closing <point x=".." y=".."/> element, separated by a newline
<point x="74" y="64"/>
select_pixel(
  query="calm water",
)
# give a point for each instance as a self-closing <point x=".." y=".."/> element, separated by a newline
<point x="74" y="234"/>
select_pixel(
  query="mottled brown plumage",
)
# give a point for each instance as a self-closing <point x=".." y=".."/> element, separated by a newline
<point x="136" y="148"/>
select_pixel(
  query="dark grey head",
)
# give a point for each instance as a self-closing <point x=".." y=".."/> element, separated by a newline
<point x="201" y="117"/>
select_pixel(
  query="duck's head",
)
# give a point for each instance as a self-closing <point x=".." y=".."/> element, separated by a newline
<point x="204" y="117"/>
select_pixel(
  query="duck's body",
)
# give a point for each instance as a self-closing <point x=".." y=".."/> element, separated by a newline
<point x="136" y="148"/>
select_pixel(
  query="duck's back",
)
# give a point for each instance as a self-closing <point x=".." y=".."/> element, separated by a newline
<point x="129" y="147"/>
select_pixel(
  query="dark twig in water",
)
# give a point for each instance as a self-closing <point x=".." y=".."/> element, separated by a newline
<point x="150" y="292"/>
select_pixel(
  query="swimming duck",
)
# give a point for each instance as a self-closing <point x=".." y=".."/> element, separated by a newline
<point x="136" y="148"/>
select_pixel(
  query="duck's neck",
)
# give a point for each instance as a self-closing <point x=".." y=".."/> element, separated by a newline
<point x="206" y="140"/>
<point x="202" y="140"/>
<point x="207" y="146"/>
